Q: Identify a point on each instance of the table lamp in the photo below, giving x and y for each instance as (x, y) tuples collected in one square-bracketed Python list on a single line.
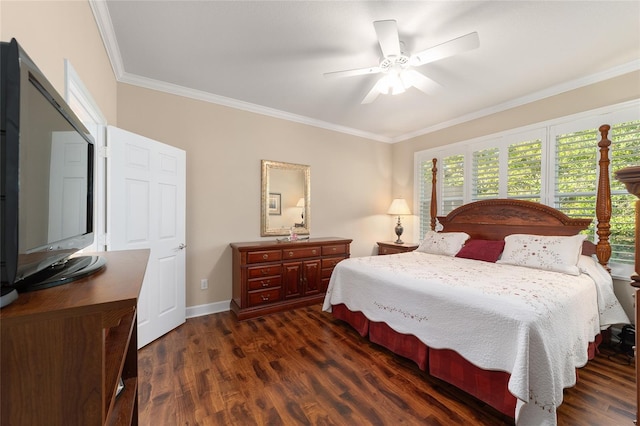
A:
[(399, 207)]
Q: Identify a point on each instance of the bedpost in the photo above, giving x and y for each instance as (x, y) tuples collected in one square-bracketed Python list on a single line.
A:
[(434, 196), (603, 200)]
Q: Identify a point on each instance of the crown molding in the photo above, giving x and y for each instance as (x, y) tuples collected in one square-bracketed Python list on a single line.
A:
[(105, 27), (533, 97), (245, 106)]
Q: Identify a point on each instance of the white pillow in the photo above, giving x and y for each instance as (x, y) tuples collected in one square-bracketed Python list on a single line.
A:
[(446, 243), (559, 254)]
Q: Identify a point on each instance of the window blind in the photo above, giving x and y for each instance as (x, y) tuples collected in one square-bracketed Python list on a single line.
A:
[(576, 165), (625, 152), (452, 183), (486, 174), (524, 170), (424, 195)]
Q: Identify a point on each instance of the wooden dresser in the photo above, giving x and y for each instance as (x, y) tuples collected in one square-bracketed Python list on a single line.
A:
[(389, 247), (271, 276), (630, 176), (65, 348)]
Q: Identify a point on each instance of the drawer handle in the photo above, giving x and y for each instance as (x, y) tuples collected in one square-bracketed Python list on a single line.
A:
[(264, 271), (265, 283), (313, 252), (334, 249), (264, 298), (290, 253), (265, 256)]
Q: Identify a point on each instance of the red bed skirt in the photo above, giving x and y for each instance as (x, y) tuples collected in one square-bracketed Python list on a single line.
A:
[(486, 385), (357, 320)]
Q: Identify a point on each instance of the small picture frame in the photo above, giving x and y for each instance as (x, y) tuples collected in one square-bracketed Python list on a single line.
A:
[(274, 204)]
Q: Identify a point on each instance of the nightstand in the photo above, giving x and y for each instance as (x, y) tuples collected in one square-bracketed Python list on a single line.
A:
[(389, 247)]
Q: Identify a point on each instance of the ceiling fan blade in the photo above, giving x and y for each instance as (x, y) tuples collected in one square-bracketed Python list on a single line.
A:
[(388, 38), (421, 82), (350, 73), (446, 49), (372, 95)]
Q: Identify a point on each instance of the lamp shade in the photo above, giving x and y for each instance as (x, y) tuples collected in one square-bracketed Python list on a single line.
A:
[(399, 207)]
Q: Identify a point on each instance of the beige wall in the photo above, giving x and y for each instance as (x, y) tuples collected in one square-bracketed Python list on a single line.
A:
[(350, 178), (52, 31)]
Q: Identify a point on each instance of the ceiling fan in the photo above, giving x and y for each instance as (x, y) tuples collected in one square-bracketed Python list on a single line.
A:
[(396, 65)]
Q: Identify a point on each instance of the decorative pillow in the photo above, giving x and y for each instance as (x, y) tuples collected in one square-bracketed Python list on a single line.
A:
[(559, 254), (446, 243), (485, 250)]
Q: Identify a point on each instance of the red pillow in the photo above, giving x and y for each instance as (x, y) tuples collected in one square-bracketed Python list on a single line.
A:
[(486, 250)]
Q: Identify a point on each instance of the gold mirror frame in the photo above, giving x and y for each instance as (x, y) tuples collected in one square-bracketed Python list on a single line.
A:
[(280, 196)]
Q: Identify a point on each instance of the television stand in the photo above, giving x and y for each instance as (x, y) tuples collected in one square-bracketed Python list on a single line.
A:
[(70, 269), (65, 349)]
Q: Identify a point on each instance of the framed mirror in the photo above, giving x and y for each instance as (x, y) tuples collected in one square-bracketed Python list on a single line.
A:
[(286, 201)]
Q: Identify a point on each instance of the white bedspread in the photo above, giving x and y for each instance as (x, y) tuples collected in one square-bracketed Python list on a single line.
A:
[(531, 323)]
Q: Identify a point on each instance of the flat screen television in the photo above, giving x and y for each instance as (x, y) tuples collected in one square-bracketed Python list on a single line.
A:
[(46, 187)]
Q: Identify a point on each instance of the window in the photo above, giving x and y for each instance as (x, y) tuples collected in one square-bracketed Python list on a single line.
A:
[(576, 164), (524, 170), (424, 195), (486, 174), (555, 163), (576, 181), (452, 183), (626, 152)]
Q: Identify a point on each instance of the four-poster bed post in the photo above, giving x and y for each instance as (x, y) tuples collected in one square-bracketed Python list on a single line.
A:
[(603, 200)]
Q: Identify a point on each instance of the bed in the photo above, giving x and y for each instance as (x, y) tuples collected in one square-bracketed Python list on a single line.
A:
[(505, 302)]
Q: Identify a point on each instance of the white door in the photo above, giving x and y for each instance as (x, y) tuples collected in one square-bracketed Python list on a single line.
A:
[(146, 209)]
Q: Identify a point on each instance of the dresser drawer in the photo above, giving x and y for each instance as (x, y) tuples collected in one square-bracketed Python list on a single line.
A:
[(264, 256), (264, 271), (263, 297), (331, 262), (389, 250), (262, 283), (302, 252), (334, 249)]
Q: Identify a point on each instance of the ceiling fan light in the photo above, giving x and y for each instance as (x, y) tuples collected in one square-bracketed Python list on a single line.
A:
[(396, 85), (407, 80), (383, 85)]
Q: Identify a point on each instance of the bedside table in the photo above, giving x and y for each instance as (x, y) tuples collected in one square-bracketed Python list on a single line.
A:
[(389, 247)]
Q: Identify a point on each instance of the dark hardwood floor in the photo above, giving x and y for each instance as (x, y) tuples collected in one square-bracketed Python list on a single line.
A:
[(302, 367)]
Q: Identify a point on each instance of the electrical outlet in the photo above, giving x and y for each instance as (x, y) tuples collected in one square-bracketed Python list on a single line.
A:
[(204, 284)]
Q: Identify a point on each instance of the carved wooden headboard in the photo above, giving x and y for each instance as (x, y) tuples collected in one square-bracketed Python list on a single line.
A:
[(494, 219)]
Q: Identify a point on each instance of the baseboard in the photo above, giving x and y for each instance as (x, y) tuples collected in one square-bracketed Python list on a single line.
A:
[(209, 308)]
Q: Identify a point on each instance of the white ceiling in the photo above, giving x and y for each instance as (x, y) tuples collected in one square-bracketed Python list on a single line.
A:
[(269, 56)]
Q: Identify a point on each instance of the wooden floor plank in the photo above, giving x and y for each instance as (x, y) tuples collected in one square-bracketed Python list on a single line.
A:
[(302, 367)]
